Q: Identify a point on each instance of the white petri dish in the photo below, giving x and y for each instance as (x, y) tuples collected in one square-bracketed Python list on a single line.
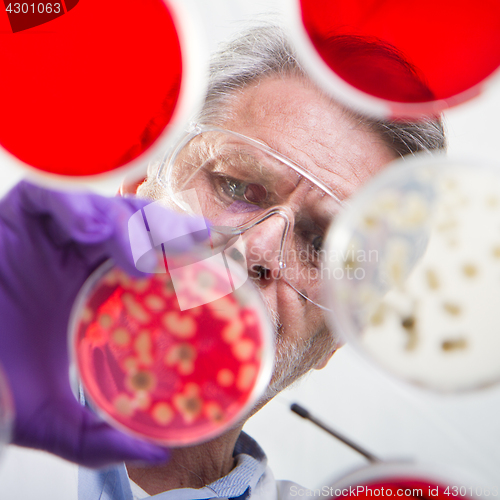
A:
[(414, 272)]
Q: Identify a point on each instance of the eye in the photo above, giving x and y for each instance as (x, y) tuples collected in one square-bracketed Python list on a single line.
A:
[(232, 187), (242, 191), (317, 243), (314, 244), (255, 193)]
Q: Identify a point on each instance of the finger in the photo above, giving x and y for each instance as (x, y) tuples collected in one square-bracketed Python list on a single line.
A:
[(101, 225), (96, 223), (82, 217), (156, 227), (83, 437)]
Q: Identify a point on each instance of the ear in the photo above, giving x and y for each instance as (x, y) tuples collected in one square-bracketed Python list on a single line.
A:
[(129, 185)]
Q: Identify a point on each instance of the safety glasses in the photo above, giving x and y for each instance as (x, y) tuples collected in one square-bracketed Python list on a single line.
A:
[(244, 188)]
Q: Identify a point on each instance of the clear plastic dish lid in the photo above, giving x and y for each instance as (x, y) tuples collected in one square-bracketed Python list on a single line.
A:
[(414, 272), (176, 357), (398, 59), (75, 106)]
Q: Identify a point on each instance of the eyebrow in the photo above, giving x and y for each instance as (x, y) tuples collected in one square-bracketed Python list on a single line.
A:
[(248, 162), (337, 193)]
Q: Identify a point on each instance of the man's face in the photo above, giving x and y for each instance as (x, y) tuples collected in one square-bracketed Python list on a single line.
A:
[(294, 118)]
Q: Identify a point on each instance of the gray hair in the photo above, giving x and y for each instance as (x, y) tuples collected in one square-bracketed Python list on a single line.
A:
[(266, 51)]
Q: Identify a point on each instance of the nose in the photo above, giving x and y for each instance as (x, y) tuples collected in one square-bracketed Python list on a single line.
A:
[(265, 240)]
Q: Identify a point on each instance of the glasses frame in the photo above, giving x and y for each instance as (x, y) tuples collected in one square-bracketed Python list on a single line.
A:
[(165, 170)]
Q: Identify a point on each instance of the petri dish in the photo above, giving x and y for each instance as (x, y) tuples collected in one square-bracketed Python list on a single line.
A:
[(408, 480), (414, 272), (175, 357), (398, 59), (6, 412), (91, 87)]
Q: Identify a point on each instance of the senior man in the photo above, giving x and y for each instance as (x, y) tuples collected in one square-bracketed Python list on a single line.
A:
[(272, 155), (275, 156)]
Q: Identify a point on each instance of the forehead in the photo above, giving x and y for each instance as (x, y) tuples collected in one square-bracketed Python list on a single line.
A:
[(292, 116)]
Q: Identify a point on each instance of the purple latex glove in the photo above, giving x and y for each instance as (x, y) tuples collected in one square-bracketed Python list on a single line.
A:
[(50, 242)]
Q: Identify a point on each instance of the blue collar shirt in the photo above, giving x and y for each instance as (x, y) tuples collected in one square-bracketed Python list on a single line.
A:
[(251, 478)]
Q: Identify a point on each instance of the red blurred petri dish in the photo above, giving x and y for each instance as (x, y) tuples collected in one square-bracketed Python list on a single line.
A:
[(175, 377), (414, 487), (408, 480), (90, 86), (390, 487), (400, 59)]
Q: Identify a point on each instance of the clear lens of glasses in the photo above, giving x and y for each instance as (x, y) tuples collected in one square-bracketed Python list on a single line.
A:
[(281, 214)]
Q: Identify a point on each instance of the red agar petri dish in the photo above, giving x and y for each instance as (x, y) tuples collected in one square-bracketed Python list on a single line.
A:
[(390, 487), (90, 86), (176, 377), (415, 488), (407, 480), (412, 57)]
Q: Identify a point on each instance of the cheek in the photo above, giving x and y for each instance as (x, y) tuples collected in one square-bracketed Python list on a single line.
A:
[(301, 320)]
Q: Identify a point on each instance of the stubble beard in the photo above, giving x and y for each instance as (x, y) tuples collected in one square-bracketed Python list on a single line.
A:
[(294, 355)]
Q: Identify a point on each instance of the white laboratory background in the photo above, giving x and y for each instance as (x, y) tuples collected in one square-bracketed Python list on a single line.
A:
[(389, 418)]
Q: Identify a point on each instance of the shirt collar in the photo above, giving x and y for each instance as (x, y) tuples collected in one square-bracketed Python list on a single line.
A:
[(113, 484), (251, 463)]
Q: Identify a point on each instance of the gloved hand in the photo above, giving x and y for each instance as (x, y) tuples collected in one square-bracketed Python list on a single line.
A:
[(50, 242)]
